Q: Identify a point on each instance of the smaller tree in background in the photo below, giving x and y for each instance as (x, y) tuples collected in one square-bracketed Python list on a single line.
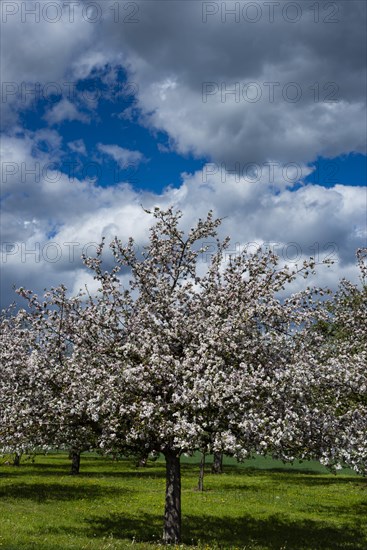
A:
[(66, 370), (19, 392), (345, 342), (325, 386)]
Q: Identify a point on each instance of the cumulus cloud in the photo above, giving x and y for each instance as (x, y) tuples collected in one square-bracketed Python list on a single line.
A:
[(240, 91), (124, 157), (269, 92), (78, 146), (222, 86), (65, 110), (48, 222)]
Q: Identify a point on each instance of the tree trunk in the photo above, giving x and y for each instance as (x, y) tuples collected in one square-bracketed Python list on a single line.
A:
[(142, 461), (16, 461), (217, 466), (75, 462), (201, 473), (172, 513)]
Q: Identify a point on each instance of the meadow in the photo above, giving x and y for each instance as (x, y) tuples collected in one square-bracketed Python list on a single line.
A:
[(261, 504)]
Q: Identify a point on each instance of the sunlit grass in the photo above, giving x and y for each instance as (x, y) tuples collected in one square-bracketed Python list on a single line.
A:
[(115, 505)]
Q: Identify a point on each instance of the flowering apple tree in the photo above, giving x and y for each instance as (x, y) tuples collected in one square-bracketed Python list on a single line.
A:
[(196, 358), (325, 384)]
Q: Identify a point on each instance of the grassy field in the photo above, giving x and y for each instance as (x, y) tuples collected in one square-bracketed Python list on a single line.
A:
[(260, 504)]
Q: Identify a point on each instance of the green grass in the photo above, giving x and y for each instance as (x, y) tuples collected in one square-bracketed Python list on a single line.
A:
[(261, 504)]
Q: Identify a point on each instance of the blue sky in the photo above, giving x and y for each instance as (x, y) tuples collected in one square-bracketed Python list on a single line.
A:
[(351, 169), (162, 166), (184, 106)]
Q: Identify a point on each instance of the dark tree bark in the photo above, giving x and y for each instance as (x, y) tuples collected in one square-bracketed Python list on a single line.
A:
[(217, 466), (75, 462), (16, 461), (201, 473), (172, 513), (142, 461)]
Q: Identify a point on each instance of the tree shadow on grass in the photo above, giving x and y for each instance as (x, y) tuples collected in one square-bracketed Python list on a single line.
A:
[(39, 492), (272, 533), (314, 482), (352, 511), (145, 528), (32, 469), (294, 477), (87, 470), (288, 470), (143, 473), (33, 545)]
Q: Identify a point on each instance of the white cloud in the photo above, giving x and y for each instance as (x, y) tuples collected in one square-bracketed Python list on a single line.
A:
[(78, 146), (125, 158), (173, 56), (312, 220), (170, 54), (65, 110)]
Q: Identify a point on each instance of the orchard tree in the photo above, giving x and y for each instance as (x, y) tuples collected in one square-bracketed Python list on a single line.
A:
[(325, 386), (149, 364), (18, 392), (243, 347), (196, 358), (350, 322), (217, 466), (344, 344), (67, 370)]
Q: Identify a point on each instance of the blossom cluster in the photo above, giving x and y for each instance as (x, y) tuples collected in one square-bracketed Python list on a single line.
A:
[(180, 361)]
